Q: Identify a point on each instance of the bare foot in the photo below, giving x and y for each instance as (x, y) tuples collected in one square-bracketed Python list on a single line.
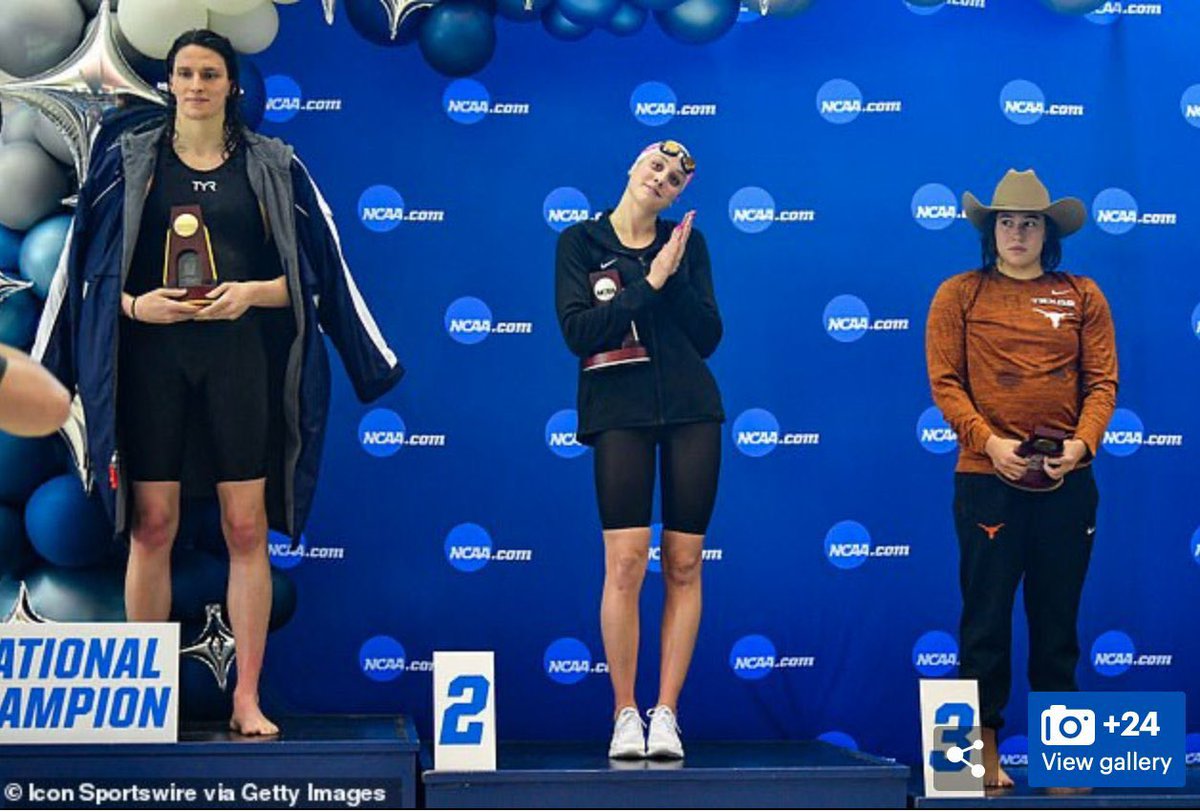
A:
[(994, 776), (248, 719)]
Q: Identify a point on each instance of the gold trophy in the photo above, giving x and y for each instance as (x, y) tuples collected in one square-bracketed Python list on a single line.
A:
[(189, 260)]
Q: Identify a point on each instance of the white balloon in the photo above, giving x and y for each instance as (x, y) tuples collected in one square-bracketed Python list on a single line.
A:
[(250, 33), (152, 26), (232, 6)]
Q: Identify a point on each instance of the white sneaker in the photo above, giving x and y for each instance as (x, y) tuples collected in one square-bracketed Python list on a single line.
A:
[(663, 741), (627, 738)]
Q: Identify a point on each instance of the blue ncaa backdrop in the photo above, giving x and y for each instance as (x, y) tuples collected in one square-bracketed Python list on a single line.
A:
[(833, 149)]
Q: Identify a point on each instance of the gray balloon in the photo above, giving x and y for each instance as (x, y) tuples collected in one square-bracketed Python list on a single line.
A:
[(51, 139), (32, 185), (20, 123), (37, 34)]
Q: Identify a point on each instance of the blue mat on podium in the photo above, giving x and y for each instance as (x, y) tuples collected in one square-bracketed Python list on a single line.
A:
[(326, 761), (749, 775), (1023, 796)]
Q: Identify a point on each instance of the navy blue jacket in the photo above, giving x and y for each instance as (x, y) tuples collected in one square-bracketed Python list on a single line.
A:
[(78, 337)]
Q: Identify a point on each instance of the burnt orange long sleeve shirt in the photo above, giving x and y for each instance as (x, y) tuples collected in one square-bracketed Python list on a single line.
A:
[(1007, 355)]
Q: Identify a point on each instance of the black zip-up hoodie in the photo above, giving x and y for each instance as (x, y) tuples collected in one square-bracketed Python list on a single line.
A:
[(679, 326)]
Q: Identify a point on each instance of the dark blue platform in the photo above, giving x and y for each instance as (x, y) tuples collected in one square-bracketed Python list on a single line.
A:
[(750, 775), (332, 753), (1023, 796)]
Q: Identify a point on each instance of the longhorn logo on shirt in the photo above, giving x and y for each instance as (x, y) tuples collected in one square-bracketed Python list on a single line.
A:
[(991, 531), (1055, 318), (204, 186)]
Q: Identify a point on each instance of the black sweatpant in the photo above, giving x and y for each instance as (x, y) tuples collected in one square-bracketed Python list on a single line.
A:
[(1006, 534)]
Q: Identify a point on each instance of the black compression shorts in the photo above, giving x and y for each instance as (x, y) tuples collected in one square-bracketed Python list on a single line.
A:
[(205, 379), (689, 457)]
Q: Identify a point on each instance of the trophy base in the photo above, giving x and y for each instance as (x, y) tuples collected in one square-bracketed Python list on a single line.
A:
[(198, 295), (616, 358), (1035, 480)]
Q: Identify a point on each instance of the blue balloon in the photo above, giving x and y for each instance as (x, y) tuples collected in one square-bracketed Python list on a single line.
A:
[(522, 11), (562, 28), (254, 93), (628, 19), (66, 527), (458, 38), (78, 596), (19, 318), (283, 599), (10, 249), (14, 546), (25, 464), (588, 12), (197, 579), (41, 249), (370, 19), (657, 5), (697, 22)]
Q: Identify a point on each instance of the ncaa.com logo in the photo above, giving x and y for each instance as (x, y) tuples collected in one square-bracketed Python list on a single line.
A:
[(564, 207), (925, 10), (283, 556), (467, 101), (848, 546), (1014, 752), (1114, 10), (935, 654), (655, 103), (846, 319), (1189, 105), (934, 433), (1126, 434), (756, 434), (469, 548), (381, 208), (754, 656), (935, 207), (654, 562), (560, 434), (752, 210), (382, 433), (285, 100), (1116, 212), (382, 659), (839, 101), (469, 320), (1023, 102), (568, 661), (1114, 653)]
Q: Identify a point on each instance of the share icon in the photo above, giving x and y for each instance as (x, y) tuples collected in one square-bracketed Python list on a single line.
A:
[(958, 755)]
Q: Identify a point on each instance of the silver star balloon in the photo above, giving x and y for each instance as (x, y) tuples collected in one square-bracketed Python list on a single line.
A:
[(22, 609), (9, 286), (399, 10), (215, 646), (76, 94)]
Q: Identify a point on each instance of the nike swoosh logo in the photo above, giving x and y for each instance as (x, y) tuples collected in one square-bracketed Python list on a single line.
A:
[(604, 266), (1060, 292), (1091, 530)]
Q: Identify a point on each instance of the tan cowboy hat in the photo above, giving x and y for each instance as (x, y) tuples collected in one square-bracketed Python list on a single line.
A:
[(1022, 191)]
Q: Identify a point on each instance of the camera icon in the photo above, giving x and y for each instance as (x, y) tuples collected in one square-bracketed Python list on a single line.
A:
[(1068, 727)]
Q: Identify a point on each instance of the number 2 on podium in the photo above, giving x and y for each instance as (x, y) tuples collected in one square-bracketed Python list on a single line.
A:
[(478, 688)]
